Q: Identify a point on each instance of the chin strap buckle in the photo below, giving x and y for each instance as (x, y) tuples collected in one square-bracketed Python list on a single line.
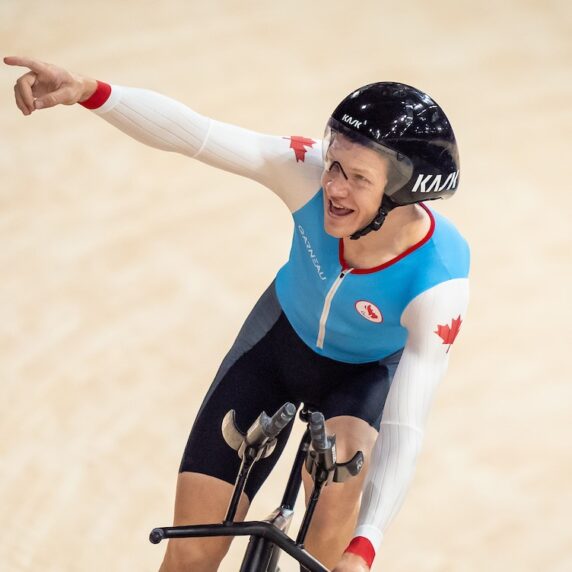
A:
[(386, 206)]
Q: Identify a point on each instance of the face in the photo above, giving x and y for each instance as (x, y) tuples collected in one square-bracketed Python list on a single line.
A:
[(353, 181)]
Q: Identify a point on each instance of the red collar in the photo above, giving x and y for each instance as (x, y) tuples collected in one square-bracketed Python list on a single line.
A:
[(419, 244)]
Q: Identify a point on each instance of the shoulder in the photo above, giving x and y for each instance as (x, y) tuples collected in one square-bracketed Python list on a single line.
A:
[(449, 246), (438, 280), (298, 166), (303, 151), (434, 317)]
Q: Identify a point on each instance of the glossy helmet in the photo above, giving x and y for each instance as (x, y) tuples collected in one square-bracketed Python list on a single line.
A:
[(412, 131)]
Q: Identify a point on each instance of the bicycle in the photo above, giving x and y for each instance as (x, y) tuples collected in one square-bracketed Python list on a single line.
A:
[(317, 452)]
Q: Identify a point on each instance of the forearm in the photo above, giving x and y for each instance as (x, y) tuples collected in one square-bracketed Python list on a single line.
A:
[(392, 466), (151, 118), (391, 470)]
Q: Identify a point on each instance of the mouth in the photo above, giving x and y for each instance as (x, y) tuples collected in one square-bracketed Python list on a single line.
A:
[(336, 210)]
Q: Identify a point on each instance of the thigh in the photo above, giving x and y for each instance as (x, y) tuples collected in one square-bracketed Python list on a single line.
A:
[(247, 382), (249, 391)]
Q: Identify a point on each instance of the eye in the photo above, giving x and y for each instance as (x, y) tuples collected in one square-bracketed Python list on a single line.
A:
[(362, 179)]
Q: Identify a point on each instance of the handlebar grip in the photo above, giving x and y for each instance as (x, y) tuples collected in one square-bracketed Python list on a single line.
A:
[(318, 430), (279, 420), (157, 534)]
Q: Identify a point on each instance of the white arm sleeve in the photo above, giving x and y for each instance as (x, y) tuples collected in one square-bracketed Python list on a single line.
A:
[(422, 366), (166, 124)]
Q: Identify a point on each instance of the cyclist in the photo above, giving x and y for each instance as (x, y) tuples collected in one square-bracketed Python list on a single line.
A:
[(358, 322)]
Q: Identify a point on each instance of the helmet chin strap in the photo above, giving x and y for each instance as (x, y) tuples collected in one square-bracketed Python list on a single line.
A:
[(386, 206)]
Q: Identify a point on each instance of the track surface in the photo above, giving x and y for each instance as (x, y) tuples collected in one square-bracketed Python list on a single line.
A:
[(127, 272)]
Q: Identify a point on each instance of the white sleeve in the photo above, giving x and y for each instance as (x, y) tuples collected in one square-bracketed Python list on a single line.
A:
[(166, 124), (432, 320)]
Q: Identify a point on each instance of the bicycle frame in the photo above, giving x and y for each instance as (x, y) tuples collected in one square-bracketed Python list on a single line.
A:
[(269, 536)]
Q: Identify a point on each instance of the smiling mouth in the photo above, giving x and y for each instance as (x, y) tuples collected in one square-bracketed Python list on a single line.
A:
[(338, 211)]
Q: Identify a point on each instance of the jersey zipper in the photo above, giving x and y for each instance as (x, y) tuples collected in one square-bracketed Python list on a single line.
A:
[(327, 304)]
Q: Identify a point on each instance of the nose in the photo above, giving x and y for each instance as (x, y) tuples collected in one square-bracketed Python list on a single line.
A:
[(336, 185)]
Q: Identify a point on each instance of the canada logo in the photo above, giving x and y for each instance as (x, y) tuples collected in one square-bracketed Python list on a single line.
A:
[(369, 311), (298, 145), (448, 333)]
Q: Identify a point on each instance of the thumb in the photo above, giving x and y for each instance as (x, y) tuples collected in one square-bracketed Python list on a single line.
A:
[(62, 96)]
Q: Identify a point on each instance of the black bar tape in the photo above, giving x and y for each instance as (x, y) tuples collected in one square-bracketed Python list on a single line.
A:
[(280, 419), (318, 431)]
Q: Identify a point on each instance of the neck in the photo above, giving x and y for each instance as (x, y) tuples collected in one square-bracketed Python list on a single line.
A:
[(403, 227)]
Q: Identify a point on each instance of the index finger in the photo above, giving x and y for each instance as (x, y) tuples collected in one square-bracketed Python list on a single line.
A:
[(35, 65)]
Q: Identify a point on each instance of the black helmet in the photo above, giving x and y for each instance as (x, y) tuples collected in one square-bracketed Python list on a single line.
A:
[(409, 127)]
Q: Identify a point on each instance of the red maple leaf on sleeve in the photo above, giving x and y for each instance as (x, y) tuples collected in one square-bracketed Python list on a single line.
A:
[(449, 333), (299, 144)]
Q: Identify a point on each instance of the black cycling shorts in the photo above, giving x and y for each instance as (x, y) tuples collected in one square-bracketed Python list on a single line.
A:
[(267, 366)]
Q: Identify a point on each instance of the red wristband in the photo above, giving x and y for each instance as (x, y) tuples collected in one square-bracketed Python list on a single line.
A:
[(99, 97), (362, 547)]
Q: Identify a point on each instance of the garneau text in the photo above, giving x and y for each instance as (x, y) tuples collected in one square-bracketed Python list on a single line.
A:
[(311, 254)]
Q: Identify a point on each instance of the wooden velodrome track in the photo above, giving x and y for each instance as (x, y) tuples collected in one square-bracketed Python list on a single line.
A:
[(126, 272)]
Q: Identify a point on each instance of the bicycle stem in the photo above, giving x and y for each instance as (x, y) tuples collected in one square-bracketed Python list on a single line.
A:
[(295, 479), (303, 531), (250, 457)]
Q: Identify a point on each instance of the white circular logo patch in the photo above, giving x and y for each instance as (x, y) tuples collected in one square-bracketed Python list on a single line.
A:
[(369, 311)]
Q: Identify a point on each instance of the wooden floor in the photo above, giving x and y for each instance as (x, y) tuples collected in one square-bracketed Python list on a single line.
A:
[(126, 272)]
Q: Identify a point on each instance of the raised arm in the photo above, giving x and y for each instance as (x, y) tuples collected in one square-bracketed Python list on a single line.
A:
[(432, 319), (291, 167)]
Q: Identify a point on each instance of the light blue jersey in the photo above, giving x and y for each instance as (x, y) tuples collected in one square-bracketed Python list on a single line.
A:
[(355, 315)]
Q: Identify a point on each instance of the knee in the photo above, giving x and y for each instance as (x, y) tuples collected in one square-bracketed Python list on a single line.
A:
[(339, 501), (189, 555)]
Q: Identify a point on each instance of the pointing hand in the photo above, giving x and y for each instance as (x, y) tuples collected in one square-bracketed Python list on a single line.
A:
[(46, 85)]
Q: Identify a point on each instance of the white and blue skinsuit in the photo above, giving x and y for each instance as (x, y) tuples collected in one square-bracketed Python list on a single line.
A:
[(384, 323)]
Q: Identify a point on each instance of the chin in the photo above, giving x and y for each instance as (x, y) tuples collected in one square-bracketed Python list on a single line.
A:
[(336, 231), (335, 234), (339, 228)]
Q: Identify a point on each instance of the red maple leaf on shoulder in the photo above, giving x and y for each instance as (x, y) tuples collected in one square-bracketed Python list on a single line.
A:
[(299, 144), (449, 333)]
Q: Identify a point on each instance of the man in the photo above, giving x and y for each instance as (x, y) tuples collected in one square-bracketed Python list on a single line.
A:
[(358, 322)]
